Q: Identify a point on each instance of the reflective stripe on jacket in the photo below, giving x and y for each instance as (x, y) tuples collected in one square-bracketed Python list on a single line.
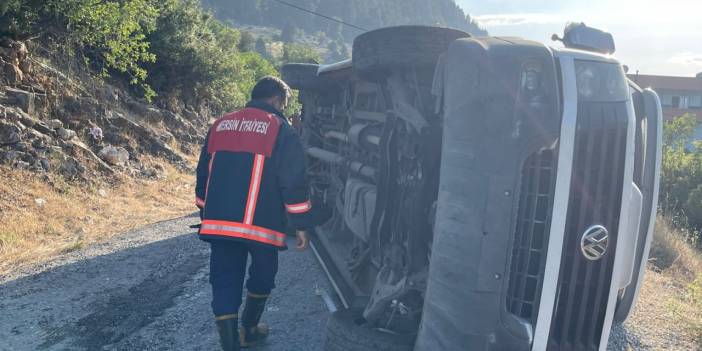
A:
[(251, 178)]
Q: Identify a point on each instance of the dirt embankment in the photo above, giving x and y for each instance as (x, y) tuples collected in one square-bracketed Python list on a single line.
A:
[(41, 219), (82, 160)]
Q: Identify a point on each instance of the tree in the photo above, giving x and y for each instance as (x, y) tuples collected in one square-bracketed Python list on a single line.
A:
[(335, 30), (681, 169), (172, 48), (110, 35), (199, 60), (247, 42), (321, 38), (344, 51), (364, 13), (678, 132), (300, 54), (338, 51), (289, 34), (261, 47)]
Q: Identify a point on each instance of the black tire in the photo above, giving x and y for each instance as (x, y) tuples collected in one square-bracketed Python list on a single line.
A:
[(300, 76), (625, 305), (375, 52), (627, 299), (649, 187), (346, 331)]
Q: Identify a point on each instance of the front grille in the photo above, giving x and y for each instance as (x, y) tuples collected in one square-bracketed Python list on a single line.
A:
[(531, 235), (595, 199)]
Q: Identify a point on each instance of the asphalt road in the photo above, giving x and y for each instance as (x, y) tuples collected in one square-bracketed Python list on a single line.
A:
[(148, 290)]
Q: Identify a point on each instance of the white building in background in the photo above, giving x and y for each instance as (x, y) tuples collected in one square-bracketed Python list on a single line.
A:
[(679, 95)]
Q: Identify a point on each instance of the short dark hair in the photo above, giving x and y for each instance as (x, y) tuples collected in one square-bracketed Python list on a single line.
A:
[(268, 87)]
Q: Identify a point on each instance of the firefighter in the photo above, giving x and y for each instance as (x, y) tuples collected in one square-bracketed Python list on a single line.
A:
[(250, 186)]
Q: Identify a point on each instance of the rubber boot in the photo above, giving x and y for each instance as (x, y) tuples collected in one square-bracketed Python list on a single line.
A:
[(253, 332), (228, 327)]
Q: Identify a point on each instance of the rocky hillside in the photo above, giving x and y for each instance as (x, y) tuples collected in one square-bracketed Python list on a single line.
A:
[(50, 124), (103, 106), (83, 159)]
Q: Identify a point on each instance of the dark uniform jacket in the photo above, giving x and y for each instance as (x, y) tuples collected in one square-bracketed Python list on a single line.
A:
[(251, 173)]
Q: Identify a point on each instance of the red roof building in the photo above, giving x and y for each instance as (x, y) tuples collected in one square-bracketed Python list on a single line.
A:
[(679, 95)]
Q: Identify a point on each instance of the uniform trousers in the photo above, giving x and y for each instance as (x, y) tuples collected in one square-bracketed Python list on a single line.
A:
[(228, 261)]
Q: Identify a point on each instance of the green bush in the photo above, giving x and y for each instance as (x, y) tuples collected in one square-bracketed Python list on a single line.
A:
[(247, 42), (111, 35), (299, 53), (681, 170), (169, 48), (14, 18), (198, 59), (195, 53)]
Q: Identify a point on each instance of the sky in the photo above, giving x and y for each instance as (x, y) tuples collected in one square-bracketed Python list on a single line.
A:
[(661, 37)]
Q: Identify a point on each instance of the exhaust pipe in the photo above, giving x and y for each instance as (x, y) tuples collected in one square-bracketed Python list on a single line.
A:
[(334, 158), (326, 156)]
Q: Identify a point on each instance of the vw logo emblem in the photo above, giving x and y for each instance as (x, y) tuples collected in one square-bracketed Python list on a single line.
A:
[(594, 242)]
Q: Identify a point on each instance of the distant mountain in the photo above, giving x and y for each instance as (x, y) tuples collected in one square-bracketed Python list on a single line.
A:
[(369, 14)]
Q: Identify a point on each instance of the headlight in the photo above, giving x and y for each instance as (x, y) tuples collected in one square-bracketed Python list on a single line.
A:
[(600, 81), (586, 81)]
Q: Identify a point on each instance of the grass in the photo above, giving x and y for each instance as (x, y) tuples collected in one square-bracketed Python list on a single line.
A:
[(673, 249), (693, 319), (76, 215), (675, 279)]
